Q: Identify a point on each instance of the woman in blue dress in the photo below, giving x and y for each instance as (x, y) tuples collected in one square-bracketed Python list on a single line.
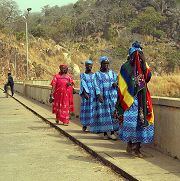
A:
[(134, 103), (87, 93), (105, 81)]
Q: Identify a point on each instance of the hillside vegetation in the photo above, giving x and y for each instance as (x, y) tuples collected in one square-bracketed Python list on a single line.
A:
[(88, 29)]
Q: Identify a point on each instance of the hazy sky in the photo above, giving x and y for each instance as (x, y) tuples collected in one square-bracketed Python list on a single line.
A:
[(36, 5)]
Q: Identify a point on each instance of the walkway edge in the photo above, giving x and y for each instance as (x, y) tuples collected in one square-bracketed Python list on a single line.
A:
[(82, 145)]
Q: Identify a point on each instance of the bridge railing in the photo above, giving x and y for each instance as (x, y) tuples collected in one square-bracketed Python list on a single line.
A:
[(166, 110)]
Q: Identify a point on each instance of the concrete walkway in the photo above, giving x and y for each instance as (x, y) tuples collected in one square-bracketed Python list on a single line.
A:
[(31, 150), (153, 167)]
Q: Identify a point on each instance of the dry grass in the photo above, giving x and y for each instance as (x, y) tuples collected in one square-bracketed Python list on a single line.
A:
[(168, 86), (165, 86)]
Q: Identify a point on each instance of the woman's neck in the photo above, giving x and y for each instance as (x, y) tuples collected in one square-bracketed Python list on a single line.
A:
[(104, 70), (88, 71), (62, 73)]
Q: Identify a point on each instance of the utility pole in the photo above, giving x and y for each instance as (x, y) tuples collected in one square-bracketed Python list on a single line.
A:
[(15, 65), (27, 48)]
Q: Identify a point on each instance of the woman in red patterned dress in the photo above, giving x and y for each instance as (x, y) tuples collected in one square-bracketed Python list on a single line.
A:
[(62, 91)]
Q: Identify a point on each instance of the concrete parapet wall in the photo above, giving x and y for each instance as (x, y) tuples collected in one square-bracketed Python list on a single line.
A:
[(36, 92), (40, 93), (20, 88), (166, 110), (167, 125)]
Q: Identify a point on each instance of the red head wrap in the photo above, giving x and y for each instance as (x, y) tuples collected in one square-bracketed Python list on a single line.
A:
[(63, 66)]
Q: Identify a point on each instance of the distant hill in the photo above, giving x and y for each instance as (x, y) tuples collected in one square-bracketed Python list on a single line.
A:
[(45, 56), (109, 27), (88, 29)]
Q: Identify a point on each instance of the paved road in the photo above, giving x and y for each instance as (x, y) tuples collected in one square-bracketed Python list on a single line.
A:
[(30, 150)]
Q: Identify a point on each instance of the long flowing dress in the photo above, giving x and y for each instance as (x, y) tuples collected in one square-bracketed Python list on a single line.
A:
[(103, 114), (87, 106), (131, 131), (135, 103), (63, 103)]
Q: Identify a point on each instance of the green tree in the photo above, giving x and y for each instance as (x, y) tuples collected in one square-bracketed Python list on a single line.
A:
[(173, 61), (38, 31), (148, 23), (8, 12), (122, 13)]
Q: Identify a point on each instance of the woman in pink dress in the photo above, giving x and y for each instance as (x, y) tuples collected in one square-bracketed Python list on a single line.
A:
[(62, 91)]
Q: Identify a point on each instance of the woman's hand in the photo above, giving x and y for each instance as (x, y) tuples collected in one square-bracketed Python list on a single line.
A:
[(143, 62), (141, 56), (114, 85), (74, 91), (121, 119), (86, 95), (100, 98), (69, 84), (117, 117), (115, 114)]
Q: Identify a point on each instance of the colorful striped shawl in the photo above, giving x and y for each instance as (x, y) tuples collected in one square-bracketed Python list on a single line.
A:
[(128, 89)]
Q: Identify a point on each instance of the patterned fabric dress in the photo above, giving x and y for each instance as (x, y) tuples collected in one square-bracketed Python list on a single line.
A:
[(135, 103), (131, 131), (87, 113), (63, 97), (103, 120)]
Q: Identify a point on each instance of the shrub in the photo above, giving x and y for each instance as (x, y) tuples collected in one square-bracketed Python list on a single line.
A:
[(173, 59), (148, 23), (38, 32), (20, 36)]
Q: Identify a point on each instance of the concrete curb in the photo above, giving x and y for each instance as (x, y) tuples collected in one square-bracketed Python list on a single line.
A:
[(82, 145)]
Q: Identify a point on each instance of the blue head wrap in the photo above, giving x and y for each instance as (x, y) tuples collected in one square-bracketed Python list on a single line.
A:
[(103, 59), (136, 44), (89, 62), (135, 47)]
